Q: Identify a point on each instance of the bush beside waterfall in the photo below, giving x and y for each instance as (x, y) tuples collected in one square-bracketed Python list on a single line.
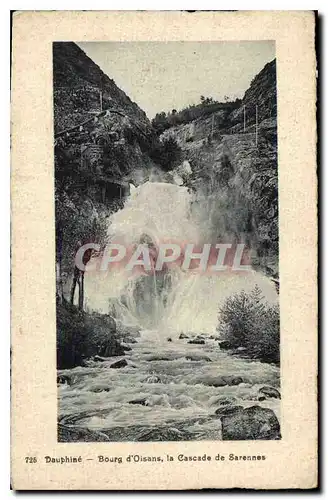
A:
[(81, 335), (246, 320)]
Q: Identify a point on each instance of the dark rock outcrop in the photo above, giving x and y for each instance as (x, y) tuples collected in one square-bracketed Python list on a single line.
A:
[(221, 380), (127, 348), (110, 347), (196, 341), (225, 401), (64, 379), (225, 344), (119, 364), (228, 410), (249, 424), (270, 392), (141, 401)]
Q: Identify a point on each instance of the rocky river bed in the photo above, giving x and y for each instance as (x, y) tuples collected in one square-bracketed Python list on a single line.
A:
[(169, 389)]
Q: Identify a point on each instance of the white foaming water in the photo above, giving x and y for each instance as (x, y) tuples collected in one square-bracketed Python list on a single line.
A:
[(181, 301), (170, 388), (166, 387)]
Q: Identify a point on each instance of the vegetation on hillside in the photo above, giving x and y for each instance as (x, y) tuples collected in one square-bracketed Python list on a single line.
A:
[(206, 107)]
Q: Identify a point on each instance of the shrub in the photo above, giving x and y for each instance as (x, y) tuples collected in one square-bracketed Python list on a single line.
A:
[(81, 335), (166, 153), (247, 320)]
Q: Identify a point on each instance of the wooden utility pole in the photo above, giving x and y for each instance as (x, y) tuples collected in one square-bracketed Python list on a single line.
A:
[(244, 118), (256, 125)]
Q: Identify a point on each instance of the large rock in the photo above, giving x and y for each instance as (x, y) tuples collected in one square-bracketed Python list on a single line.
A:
[(269, 392), (228, 410), (141, 401), (232, 380), (196, 341), (220, 380), (250, 424), (127, 348), (64, 379), (119, 364), (225, 344), (183, 336), (110, 347), (225, 401)]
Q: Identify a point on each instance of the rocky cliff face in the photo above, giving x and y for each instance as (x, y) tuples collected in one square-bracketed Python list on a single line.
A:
[(261, 93), (78, 82), (95, 122), (233, 159), (101, 145)]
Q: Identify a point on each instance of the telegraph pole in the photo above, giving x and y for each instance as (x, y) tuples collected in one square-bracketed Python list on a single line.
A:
[(244, 118), (256, 125)]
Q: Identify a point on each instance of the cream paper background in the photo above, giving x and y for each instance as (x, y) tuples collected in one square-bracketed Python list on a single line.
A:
[(291, 462)]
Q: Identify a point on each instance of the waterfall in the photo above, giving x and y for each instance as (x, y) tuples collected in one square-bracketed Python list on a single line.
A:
[(176, 300)]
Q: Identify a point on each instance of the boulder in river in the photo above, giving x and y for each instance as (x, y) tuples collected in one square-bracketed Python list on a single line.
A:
[(228, 410), (225, 401), (196, 341), (110, 347), (119, 364), (100, 389), (183, 336), (141, 401), (269, 392), (220, 380), (250, 424), (225, 344), (100, 359), (232, 380), (64, 379)]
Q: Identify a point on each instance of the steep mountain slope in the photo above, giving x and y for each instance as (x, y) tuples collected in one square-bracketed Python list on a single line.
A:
[(95, 122), (102, 141), (77, 85), (233, 159)]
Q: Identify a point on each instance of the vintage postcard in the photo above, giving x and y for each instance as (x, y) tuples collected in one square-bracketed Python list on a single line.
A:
[(164, 232)]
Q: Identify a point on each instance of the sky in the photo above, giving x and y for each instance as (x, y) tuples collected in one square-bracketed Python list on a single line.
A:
[(160, 76)]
